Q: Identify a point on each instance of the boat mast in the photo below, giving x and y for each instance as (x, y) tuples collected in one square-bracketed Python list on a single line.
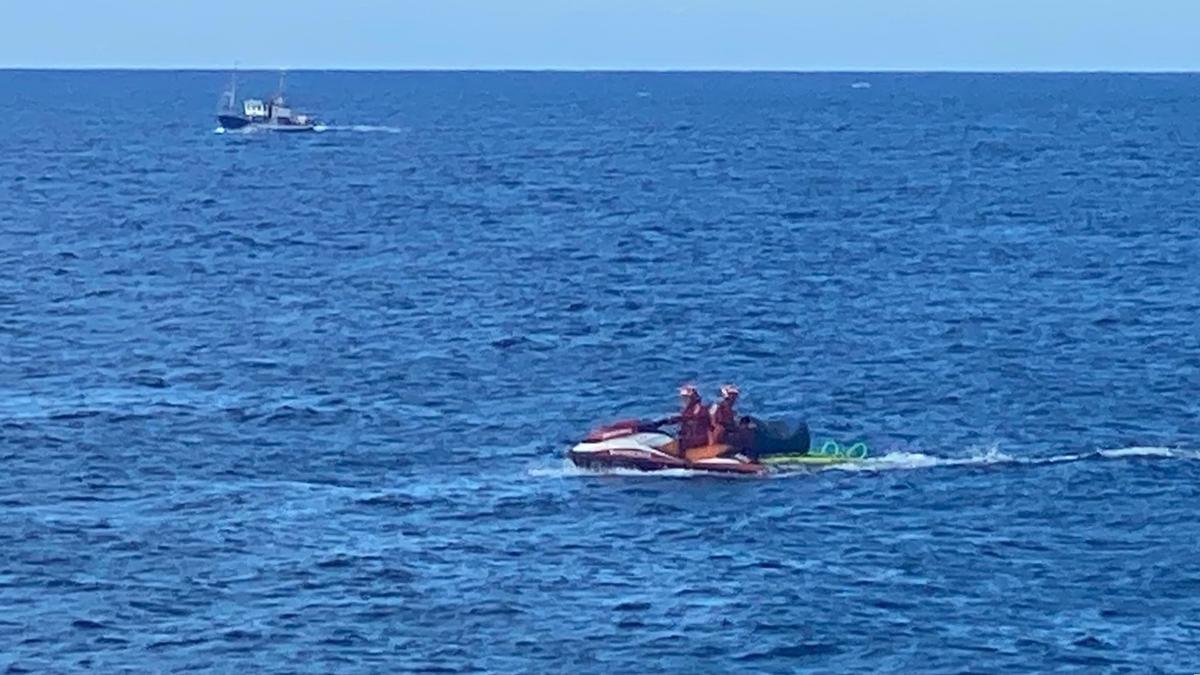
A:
[(231, 93)]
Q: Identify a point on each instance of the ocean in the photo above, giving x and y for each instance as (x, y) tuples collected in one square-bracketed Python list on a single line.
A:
[(301, 403)]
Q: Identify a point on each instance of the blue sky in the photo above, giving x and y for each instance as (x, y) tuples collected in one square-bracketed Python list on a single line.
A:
[(608, 34)]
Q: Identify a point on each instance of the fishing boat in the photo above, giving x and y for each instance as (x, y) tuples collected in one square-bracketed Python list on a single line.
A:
[(273, 114)]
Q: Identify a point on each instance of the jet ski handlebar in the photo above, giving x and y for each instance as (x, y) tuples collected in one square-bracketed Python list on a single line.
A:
[(623, 428)]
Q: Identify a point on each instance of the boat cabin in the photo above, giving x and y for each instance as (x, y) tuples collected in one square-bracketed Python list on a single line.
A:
[(254, 108)]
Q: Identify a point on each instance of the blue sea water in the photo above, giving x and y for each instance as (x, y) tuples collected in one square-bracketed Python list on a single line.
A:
[(301, 403)]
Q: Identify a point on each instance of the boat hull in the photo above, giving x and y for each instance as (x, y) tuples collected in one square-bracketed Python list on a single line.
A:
[(235, 123), (232, 122)]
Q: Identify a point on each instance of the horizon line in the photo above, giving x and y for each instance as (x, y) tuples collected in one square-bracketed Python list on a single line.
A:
[(560, 69)]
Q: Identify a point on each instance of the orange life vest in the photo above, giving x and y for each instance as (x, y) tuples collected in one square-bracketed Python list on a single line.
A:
[(693, 426), (722, 419)]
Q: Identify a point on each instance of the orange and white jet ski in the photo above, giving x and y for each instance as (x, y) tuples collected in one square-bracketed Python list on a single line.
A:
[(634, 444), (758, 448)]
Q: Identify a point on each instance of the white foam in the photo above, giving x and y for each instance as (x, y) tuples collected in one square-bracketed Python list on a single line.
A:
[(894, 461), (1147, 451), (244, 130), (920, 460), (568, 470), (993, 456), (364, 128)]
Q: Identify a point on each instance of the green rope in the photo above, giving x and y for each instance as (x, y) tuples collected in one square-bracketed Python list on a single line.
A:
[(832, 448)]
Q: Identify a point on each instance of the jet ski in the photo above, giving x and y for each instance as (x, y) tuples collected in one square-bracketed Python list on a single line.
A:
[(757, 447), (641, 446)]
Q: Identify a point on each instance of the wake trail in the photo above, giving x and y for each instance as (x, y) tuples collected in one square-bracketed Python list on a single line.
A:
[(324, 128), (366, 128), (895, 461)]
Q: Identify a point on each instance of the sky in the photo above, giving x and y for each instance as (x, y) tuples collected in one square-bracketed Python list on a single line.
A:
[(797, 35)]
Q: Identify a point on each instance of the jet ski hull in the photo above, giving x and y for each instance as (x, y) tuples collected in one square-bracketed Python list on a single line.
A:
[(642, 451)]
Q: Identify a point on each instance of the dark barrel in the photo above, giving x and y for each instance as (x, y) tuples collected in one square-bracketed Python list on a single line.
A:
[(778, 438)]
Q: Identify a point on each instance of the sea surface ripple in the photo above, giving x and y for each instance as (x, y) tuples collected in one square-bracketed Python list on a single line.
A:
[(300, 403)]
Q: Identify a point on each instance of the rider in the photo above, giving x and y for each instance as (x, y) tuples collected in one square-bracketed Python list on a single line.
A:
[(692, 419), (722, 416)]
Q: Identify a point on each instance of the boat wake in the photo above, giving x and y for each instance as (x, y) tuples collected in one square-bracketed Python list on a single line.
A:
[(900, 461), (994, 457), (319, 128), (367, 128)]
